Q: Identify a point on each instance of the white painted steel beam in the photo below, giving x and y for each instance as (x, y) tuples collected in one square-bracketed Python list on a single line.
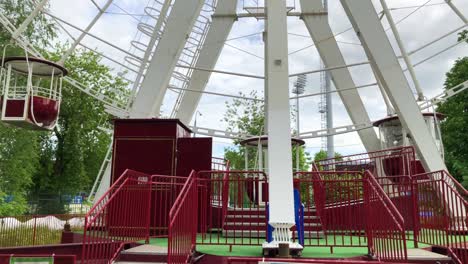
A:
[(331, 55), (29, 19), (83, 34), (370, 31), (223, 19), (179, 24), (404, 53), (457, 11), (279, 123)]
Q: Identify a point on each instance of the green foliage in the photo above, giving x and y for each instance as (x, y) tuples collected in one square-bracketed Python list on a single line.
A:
[(455, 126), (39, 32), (322, 154), (245, 116), (463, 36), (72, 155), (45, 166), (248, 117), (19, 148), (19, 160)]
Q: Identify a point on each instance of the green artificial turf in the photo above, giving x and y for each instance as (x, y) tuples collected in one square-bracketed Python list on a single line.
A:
[(322, 251)]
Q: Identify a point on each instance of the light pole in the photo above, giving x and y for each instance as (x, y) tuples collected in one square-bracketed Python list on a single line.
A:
[(299, 87), (198, 113)]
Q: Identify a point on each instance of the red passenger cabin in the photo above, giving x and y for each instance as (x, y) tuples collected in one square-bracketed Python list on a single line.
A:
[(31, 92)]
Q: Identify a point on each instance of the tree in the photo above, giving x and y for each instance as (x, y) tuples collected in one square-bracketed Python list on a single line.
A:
[(248, 117), (322, 155), (463, 35), (72, 154), (36, 165), (19, 158), (455, 126)]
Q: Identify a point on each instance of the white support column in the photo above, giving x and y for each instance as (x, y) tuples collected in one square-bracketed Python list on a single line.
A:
[(153, 88), (385, 63), (404, 54), (260, 155), (83, 34), (223, 19), (28, 20), (246, 157), (326, 44), (279, 123), (457, 11)]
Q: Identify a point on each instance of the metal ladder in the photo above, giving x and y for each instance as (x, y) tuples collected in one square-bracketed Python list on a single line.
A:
[(149, 33), (189, 57), (99, 183)]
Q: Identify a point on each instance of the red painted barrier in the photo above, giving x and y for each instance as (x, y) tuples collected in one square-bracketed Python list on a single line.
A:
[(121, 216), (354, 211), (183, 223), (385, 226), (338, 201), (442, 209), (219, 164), (384, 163), (234, 207), (57, 259), (165, 190), (31, 230)]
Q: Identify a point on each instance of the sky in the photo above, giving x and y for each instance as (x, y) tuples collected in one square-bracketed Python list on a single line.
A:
[(245, 55)]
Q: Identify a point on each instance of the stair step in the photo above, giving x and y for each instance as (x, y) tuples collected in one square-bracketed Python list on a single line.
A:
[(246, 223), (262, 234), (144, 253)]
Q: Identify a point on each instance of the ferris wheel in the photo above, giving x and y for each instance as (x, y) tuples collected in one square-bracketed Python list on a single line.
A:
[(178, 45)]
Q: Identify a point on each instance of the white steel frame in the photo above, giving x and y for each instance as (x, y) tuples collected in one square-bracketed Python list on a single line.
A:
[(366, 22)]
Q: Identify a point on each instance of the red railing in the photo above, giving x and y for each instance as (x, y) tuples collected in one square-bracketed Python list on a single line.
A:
[(234, 207), (354, 211), (219, 164), (389, 162), (442, 209), (183, 223), (121, 216), (385, 226), (56, 259), (400, 191), (334, 208), (33, 230), (165, 190)]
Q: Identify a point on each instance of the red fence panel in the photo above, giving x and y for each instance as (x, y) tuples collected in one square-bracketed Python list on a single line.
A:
[(385, 226), (183, 223), (354, 211), (164, 192), (402, 194), (442, 209), (389, 162), (336, 199), (121, 216), (34, 230), (234, 205), (219, 164)]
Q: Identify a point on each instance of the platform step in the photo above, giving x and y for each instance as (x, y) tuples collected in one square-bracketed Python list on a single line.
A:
[(144, 253), (262, 234), (417, 254), (263, 224)]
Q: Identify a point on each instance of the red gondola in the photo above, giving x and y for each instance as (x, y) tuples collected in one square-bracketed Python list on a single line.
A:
[(31, 92)]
